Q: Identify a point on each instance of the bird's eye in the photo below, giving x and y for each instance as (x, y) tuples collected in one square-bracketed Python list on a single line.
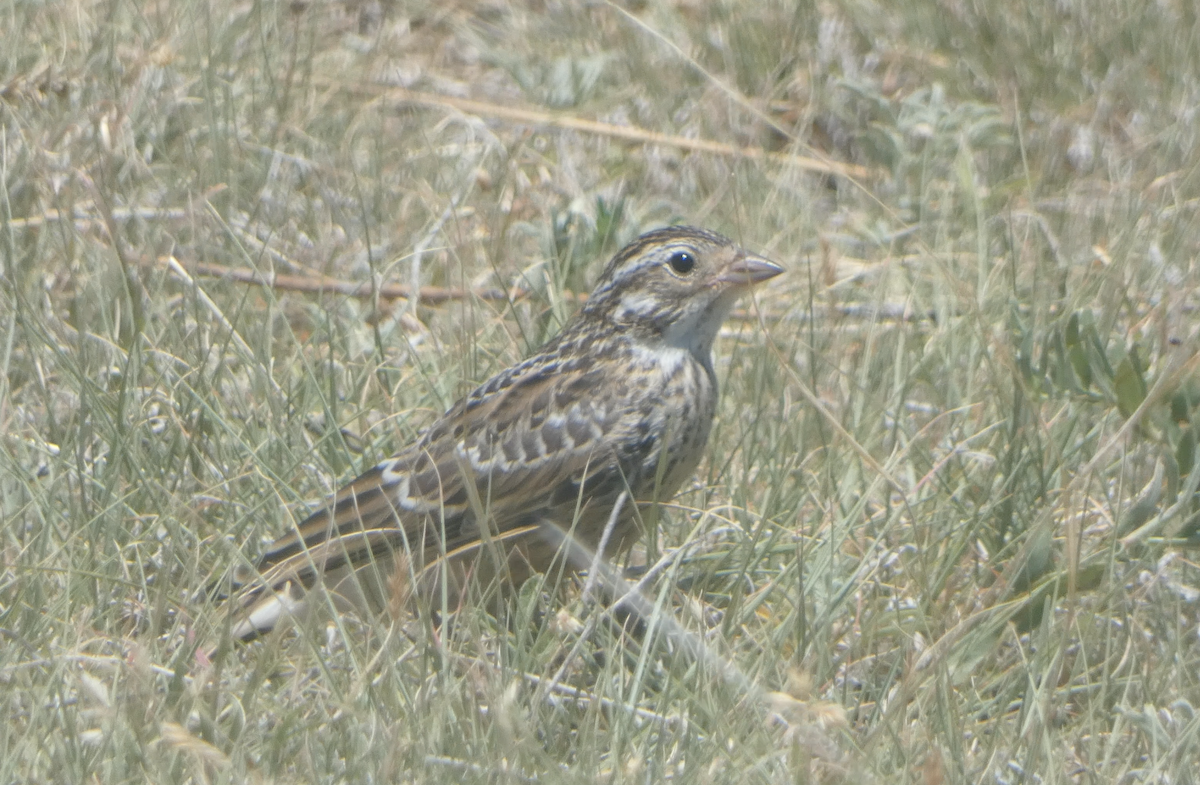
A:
[(682, 262)]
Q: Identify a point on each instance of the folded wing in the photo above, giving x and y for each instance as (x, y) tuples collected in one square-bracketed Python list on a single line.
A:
[(534, 445)]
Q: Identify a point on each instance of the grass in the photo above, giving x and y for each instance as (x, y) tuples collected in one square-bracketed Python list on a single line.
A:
[(947, 526)]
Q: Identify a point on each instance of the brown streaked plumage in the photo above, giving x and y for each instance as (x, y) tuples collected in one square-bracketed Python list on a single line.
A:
[(609, 416)]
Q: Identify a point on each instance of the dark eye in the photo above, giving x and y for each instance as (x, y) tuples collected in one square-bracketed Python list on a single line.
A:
[(682, 262)]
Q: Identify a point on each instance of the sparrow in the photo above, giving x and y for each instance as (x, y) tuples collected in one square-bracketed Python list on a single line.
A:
[(548, 465)]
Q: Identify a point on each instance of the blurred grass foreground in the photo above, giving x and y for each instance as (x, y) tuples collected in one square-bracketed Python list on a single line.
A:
[(947, 527)]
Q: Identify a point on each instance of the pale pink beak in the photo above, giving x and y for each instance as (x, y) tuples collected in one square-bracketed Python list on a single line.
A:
[(749, 270)]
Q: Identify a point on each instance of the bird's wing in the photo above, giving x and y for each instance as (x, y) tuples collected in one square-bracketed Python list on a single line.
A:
[(535, 439)]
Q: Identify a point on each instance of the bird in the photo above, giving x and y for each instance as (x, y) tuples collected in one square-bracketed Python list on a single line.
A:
[(549, 464)]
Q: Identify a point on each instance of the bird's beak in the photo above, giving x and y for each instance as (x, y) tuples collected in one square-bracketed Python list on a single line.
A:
[(747, 270)]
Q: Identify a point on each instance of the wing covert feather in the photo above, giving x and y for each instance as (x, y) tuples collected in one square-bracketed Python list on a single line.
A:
[(528, 438)]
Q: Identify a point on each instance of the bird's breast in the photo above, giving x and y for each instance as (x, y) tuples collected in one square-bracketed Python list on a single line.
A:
[(677, 400)]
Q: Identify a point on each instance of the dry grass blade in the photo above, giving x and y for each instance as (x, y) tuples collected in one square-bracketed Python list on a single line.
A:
[(400, 97)]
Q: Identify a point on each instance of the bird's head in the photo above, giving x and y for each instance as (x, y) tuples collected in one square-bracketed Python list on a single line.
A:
[(675, 286)]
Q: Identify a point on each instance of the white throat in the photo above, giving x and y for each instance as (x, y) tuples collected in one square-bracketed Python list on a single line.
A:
[(696, 330)]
